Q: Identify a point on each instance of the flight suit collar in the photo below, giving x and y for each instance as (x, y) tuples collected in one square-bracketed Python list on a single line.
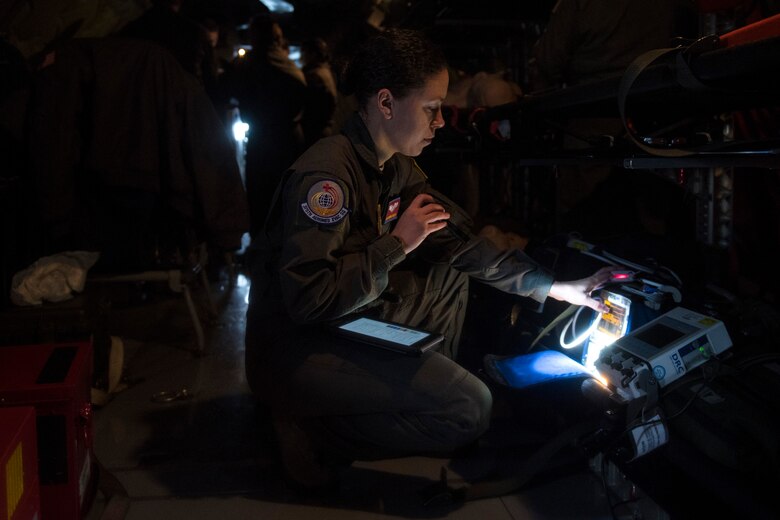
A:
[(356, 131)]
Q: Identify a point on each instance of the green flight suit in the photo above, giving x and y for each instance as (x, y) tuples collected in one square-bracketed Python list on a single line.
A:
[(326, 253)]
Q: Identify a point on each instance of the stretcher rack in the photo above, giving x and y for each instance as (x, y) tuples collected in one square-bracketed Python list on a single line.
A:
[(730, 73)]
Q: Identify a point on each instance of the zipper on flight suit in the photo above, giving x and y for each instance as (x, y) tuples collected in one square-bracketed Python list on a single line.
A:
[(384, 192)]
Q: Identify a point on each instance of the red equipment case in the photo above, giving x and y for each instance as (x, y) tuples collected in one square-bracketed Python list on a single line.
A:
[(55, 379), (19, 489)]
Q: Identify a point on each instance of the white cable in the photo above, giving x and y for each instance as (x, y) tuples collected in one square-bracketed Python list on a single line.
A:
[(677, 278), (578, 340)]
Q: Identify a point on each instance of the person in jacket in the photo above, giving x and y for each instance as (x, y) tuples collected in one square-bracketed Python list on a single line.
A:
[(355, 230), (588, 40), (321, 92), (271, 94)]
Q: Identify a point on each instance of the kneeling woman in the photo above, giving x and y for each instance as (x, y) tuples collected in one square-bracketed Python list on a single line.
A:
[(355, 229)]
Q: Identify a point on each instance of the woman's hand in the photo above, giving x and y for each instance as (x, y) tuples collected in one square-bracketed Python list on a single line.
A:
[(578, 292), (421, 218)]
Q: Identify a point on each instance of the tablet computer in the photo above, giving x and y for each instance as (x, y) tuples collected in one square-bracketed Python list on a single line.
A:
[(389, 335)]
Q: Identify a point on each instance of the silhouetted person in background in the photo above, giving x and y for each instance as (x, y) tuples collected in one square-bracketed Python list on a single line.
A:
[(118, 170), (186, 39), (586, 41), (271, 92), (591, 39), (321, 93), (472, 89), (213, 35)]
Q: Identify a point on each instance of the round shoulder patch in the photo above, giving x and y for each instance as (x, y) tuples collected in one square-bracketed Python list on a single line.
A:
[(325, 202)]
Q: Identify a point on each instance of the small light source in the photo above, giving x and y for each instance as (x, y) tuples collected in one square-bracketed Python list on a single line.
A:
[(239, 131), (278, 6), (241, 52), (295, 55)]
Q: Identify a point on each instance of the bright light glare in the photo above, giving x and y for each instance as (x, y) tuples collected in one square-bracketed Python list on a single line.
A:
[(612, 326), (601, 379), (278, 6), (594, 351), (241, 52), (239, 131), (242, 282)]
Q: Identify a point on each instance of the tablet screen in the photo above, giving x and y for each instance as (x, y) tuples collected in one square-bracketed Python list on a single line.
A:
[(385, 331)]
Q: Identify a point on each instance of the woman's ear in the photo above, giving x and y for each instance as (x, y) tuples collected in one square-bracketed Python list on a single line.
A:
[(384, 100)]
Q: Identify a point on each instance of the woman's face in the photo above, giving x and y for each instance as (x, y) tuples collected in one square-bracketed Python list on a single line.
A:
[(417, 116)]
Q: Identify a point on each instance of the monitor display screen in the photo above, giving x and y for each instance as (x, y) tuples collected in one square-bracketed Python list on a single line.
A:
[(659, 335), (385, 331)]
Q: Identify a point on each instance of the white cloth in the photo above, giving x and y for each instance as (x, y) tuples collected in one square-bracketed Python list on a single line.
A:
[(52, 278)]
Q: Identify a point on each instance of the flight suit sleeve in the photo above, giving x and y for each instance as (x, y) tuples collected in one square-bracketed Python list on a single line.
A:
[(510, 271), (325, 271)]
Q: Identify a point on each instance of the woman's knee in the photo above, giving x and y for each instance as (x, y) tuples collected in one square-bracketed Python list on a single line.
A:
[(470, 411)]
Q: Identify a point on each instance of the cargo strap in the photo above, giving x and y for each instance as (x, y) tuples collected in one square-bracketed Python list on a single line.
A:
[(117, 499), (446, 492)]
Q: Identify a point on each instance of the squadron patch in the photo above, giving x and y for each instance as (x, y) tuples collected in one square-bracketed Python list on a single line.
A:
[(325, 203)]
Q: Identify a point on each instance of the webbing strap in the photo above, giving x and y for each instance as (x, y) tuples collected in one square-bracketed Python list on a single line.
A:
[(532, 466), (117, 499), (445, 492)]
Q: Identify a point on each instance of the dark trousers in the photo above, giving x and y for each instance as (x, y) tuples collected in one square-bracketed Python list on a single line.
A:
[(367, 403)]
